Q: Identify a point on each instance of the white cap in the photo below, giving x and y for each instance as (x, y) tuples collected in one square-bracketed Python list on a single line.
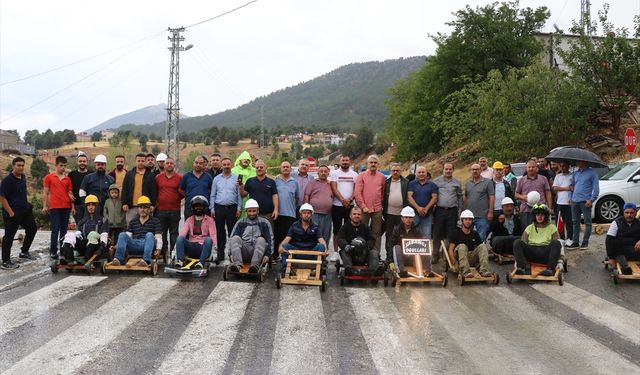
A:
[(533, 197), (408, 212), (506, 200), (307, 207), (251, 203), (161, 157), (466, 214), (100, 159)]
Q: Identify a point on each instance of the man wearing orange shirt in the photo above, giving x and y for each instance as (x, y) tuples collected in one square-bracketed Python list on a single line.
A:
[(57, 201)]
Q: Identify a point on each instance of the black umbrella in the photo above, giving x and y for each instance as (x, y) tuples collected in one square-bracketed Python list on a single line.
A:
[(573, 154)]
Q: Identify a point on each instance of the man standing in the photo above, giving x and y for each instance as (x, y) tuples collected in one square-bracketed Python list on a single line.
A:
[(76, 177), (97, 183), (343, 181), (216, 165), (532, 181), (369, 193), (243, 169), (303, 178), (563, 185), (150, 163), (586, 187), (287, 202), (395, 199), (160, 161), (422, 195), (447, 208), (485, 170), (478, 198), (138, 182), (318, 193), (16, 212), (57, 201), (195, 182), (263, 189), (225, 204), (168, 203), (119, 171), (502, 188)]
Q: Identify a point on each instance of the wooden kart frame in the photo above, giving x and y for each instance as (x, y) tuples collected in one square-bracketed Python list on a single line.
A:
[(303, 276)]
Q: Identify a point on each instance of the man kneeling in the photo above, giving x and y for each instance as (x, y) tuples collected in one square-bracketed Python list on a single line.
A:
[(623, 239), (143, 230), (197, 235), (466, 244), (251, 240), (407, 229), (90, 237), (539, 243), (356, 243), (303, 235)]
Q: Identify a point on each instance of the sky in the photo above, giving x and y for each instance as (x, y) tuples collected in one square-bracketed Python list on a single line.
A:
[(264, 47)]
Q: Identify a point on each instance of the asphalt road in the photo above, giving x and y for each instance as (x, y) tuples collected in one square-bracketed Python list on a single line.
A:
[(132, 323)]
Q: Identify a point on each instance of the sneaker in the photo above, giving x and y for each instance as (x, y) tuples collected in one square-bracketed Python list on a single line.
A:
[(9, 265), (521, 271), (568, 242), (115, 262), (142, 263), (198, 266), (253, 269), (627, 271), (468, 275), (27, 256), (584, 246), (547, 272), (404, 274), (234, 268), (572, 246), (54, 256), (486, 274), (178, 264)]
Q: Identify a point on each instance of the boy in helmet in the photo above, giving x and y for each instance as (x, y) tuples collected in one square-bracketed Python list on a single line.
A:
[(303, 235), (406, 229), (466, 247), (197, 235), (539, 243), (142, 232), (356, 242), (90, 236), (251, 240)]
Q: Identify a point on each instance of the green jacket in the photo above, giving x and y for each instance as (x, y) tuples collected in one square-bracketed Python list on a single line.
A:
[(114, 214), (246, 174)]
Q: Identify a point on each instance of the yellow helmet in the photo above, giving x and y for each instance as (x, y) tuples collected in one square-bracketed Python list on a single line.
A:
[(91, 199), (143, 200), (498, 165)]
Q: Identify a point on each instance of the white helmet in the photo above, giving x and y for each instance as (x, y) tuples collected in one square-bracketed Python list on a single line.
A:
[(506, 200), (466, 214), (100, 159), (307, 207), (161, 157), (533, 197), (251, 203), (408, 212)]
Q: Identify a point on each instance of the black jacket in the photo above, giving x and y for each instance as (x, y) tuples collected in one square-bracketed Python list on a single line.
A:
[(498, 229), (404, 184), (508, 192), (149, 187), (400, 233), (348, 232)]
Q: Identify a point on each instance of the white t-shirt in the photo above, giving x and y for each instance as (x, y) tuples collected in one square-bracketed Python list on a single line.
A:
[(346, 182), (563, 180)]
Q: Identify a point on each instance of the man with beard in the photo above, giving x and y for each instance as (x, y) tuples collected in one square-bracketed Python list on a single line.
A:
[(160, 161), (97, 183), (195, 182), (168, 203), (251, 240), (287, 201), (150, 163), (119, 171), (343, 181), (225, 204), (138, 182), (303, 235), (142, 232), (466, 247), (76, 177), (197, 235), (356, 243)]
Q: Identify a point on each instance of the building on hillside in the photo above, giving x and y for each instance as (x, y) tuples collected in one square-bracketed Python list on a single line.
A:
[(10, 141), (282, 138), (107, 134), (83, 137), (333, 139)]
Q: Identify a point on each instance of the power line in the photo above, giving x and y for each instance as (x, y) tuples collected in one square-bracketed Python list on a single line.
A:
[(221, 14)]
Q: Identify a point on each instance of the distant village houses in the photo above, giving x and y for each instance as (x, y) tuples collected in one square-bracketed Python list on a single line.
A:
[(11, 142)]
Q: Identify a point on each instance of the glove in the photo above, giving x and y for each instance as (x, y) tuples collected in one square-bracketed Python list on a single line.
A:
[(348, 249), (392, 267), (79, 235)]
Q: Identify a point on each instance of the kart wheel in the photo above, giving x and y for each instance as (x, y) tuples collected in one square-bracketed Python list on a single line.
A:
[(445, 279), (154, 268), (460, 279), (103, 269), (560, 279), (54, 268), (341, 276), (278, 281), (496, 279), (509, 279), (225, 273), (615, 278)]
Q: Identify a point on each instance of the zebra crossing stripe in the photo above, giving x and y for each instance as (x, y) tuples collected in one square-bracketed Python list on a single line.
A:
[(74, 347), (302, 343), (24, 278), (206, 342), (587, 355), (26, 308), (596, 309)]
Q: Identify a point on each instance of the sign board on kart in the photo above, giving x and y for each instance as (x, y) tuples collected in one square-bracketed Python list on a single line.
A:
[(417, 246), (630, 140)]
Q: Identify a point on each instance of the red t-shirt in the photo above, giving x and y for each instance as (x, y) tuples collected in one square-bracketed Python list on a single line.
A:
[(168, 195), (58, 190)]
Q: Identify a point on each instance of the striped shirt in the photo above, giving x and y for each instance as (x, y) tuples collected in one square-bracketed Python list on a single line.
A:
[(140, 230)]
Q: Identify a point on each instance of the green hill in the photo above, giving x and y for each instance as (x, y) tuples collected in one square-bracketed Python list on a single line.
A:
[(345, 97)]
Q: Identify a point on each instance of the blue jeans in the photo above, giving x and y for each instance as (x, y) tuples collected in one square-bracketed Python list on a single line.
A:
[(287, 246), (137, 246), (324, 225), (193, 249), (578, 208), (482, 227), (425, 223), (59, 221)]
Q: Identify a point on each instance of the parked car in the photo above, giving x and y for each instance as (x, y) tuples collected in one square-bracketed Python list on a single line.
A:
[(621, 184)]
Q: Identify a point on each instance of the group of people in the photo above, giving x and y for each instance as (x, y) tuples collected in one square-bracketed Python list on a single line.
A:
[(237, 207)]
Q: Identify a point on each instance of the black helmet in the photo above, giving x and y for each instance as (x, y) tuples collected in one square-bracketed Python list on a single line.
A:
[(541, 209), (199, 200)]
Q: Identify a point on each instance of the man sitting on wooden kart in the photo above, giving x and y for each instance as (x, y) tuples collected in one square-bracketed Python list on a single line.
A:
[(251, 240), (539, 243), (505, 228), (467, 248), (303, 235), (406, 229), (623, 239), (142, 232), (356, 243), (90, 236), (197, 235)]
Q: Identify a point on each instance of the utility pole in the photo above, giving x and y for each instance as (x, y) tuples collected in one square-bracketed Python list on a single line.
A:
[(171, 144), (585, 17), (262, 144)]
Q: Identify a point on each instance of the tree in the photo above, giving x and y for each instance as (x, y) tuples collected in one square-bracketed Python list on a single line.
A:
[(609, 65), (39, 170), (96, 136), (143, 139)]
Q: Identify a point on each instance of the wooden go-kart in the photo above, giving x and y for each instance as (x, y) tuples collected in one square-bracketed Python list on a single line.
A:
[(303, 274), (417, 248), (536, 268), (451, 264), (79, 264), (260, 276), (130, 264), (187, 269), (617, 274), (363, 274), (501, 259)]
